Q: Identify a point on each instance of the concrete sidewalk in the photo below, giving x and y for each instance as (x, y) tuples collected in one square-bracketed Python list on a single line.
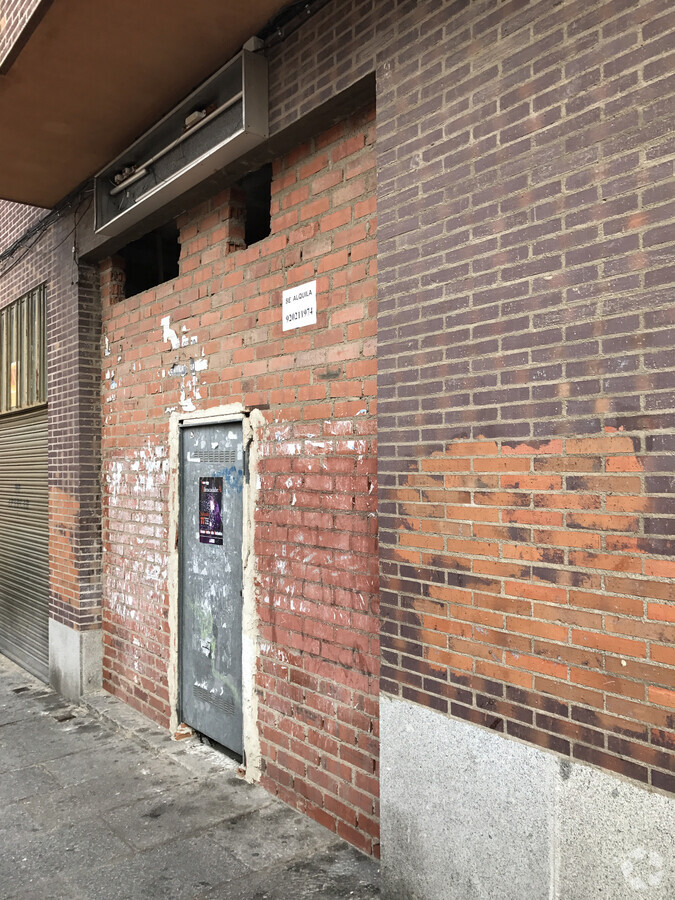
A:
[(102, 804)]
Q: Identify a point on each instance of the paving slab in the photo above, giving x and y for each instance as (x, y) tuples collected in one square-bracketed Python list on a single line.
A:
[(98, 803), (332, 875)]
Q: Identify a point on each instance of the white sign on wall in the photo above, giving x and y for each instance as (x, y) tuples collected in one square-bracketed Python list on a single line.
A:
[(298, 306)]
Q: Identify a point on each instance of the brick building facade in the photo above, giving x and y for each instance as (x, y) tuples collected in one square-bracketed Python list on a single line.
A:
[(73, 377), (525, 388), (514, 302), (315, 534)]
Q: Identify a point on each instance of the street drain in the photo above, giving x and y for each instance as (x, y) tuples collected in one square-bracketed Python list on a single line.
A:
[(20, 690), (66, 717)]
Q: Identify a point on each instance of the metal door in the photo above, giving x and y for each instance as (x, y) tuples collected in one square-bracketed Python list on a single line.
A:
[(24, 550), (211, 509)]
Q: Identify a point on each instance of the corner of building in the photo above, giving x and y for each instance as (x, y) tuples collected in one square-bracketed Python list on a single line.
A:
[(486, 817), (75, 659)]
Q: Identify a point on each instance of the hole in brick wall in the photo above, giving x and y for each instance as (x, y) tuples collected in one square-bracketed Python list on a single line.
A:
[(257, 188), (151, 260)]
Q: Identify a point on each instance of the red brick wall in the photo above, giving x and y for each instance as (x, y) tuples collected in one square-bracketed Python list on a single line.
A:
[(527, 367), (315, 537)]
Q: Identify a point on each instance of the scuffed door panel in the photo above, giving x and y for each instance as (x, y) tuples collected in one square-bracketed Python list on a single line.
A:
[(211, 510)]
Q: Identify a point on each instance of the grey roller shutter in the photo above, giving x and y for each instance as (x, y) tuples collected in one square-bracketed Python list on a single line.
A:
[(24, 561)]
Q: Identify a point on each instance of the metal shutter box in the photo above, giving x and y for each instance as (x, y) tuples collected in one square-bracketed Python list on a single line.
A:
[(24, 551)]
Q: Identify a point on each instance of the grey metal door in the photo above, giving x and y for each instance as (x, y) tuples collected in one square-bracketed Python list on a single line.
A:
[(211, 520), (24, 541)]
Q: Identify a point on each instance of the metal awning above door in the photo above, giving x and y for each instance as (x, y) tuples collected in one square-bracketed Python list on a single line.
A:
[(87, 78)]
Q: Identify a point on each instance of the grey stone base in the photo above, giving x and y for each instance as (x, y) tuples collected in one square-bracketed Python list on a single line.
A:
[(469, 815), (74, 660)]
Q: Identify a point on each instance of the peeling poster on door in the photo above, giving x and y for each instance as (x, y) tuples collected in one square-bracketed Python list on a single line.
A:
[(210, 510)]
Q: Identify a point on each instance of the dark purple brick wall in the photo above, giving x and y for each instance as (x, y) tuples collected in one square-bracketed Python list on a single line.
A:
[(73, 334), (15, 220), (527, 373), (326, 56)]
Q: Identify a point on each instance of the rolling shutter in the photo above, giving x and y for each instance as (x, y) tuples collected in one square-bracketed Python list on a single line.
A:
[(24, 562)]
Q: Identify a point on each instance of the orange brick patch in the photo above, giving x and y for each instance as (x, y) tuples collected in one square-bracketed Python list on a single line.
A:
[(537, 597)]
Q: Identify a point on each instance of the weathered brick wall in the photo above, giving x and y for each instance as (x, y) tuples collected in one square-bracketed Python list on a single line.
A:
[(525, 202), (74, 329), (315, 538), (73, 372)]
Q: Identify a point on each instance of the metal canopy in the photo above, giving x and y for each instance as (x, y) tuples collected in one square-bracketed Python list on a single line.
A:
[(92, 77)]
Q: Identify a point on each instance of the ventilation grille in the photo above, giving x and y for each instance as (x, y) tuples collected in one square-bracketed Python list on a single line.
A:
[(223, 702), (218, 457), (219, 122)]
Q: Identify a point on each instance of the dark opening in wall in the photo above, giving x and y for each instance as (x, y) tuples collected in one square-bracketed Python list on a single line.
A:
[(258, 190), (151, 260)]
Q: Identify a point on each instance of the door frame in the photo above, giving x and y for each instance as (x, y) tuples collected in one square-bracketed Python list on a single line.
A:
[(250, 420)]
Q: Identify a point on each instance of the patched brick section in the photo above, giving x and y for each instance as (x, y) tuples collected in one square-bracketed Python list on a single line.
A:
[(316, 533), (525, 173), (537, 602), (74, 327)]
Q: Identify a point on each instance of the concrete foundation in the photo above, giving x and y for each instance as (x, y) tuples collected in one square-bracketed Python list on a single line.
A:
[(74, 660), (470, 815)]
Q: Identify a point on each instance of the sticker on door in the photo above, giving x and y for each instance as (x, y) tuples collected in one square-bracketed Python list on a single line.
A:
[(210, 511)]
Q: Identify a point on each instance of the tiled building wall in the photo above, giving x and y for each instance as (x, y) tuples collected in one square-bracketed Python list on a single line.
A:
[(527, 372), (315, 536)]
